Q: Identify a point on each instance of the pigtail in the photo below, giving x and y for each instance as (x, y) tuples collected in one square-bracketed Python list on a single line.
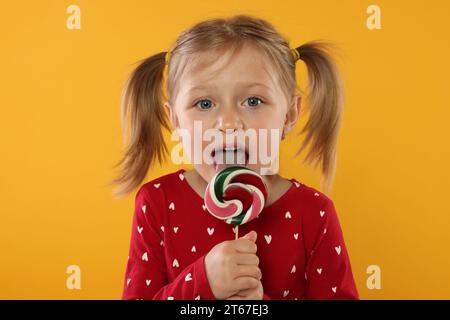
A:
[(142, 120), (325, 100)]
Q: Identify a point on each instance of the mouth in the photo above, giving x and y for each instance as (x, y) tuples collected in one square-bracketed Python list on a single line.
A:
[(229, 156)]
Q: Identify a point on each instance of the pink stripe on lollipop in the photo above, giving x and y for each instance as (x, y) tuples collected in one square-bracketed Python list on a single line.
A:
[(255, 208), (214, 209)]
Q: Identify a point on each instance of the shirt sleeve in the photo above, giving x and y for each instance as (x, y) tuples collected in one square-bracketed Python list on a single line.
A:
[(146, 272), (328, 270)]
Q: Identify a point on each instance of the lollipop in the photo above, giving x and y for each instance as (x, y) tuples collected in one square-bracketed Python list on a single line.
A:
[(236, 195)]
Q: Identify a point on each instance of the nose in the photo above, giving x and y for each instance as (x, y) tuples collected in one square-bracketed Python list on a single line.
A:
[(229, 120)]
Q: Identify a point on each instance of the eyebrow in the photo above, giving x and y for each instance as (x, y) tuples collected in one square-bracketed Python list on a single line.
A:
[(244, 85)]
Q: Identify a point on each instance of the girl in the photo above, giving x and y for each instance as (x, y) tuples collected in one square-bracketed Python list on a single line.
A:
[(229, 75)]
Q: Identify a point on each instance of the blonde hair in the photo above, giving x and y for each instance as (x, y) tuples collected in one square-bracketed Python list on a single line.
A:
[(142, 111)]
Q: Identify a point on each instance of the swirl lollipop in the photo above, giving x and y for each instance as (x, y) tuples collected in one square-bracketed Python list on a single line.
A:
[(236, 195)]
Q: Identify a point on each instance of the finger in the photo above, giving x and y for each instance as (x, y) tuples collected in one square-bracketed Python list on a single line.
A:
[(235, 297), (248, 270), (252, 235), (246, 292), (245, 246), (251, 296), (246, 258), (243, 283)]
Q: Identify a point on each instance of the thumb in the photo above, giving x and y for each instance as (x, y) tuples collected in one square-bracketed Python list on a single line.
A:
[(252, 235)]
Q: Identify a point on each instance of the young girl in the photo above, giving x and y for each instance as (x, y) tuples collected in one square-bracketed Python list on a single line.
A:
[(295, 249)]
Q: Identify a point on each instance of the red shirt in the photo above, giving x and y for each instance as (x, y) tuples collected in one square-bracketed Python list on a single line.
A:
[(300, 244)]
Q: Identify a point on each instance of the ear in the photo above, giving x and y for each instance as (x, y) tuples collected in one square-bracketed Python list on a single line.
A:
[(292, 115), (171, 115)]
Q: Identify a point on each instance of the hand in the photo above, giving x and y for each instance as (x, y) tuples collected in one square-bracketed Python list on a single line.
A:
[(232, 266), (249, 294)]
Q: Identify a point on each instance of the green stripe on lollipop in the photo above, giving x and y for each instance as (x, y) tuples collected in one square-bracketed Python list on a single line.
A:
[(220, 179), (236, 177)]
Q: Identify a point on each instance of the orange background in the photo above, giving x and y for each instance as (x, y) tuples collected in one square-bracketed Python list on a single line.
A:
[(60, 137)]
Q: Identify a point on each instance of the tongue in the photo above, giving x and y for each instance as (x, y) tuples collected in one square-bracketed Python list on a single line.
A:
[(224, 159)]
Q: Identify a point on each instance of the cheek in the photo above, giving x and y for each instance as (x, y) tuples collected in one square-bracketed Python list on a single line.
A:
[(198, 120), (267, 117), (192, 138), (269, 131), (186, 134), (268, 122)]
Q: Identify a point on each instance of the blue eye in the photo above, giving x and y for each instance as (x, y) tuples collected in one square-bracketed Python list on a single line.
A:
[(203, 105), (254, 100)]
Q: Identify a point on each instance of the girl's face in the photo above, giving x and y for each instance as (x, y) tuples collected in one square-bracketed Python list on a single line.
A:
[(226, 98)]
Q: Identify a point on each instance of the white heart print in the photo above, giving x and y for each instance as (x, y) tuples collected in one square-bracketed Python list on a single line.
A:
[(268, 238), (338, 249), (175, 263), (188, 277), (145, 257), (210, 231)]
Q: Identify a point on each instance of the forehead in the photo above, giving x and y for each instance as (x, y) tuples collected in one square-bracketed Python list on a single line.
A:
[(247, 66)]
